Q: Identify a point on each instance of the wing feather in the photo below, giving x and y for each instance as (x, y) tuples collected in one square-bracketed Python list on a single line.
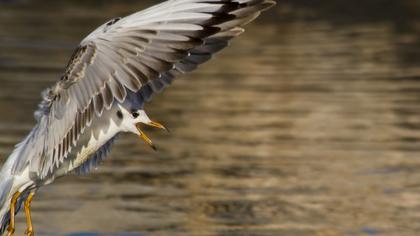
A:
[(140, 55)]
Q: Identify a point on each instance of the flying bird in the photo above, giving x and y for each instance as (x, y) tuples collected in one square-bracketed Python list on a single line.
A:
[(111, 74)]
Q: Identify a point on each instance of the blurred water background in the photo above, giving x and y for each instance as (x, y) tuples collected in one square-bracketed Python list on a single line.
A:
[(309, 124)]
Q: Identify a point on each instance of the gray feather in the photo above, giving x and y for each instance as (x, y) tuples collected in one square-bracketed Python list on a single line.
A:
[(140, 54), (96, 158)]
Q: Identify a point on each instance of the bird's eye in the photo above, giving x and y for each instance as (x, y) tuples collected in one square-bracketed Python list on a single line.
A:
[(135, 114)]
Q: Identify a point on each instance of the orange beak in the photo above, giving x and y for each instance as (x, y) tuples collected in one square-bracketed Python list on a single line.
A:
[(145, 138)]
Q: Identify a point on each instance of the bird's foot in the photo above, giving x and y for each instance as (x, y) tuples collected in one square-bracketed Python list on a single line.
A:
[(29, 232), (10, 231)]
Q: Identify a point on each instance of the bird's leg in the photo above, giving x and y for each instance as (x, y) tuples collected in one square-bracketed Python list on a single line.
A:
[(11, 228), (30, 229)]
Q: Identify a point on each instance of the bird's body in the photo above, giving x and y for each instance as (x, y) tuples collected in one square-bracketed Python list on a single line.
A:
[(113, 72)]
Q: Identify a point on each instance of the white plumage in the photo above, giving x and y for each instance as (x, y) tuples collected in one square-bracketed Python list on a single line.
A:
[(114, 70)]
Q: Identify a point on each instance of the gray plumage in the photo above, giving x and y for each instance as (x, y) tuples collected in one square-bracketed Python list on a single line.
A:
[(96, 159), (139, 53), (123, 62)]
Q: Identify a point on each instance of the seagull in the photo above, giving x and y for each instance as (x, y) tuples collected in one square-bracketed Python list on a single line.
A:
[(113, 72)]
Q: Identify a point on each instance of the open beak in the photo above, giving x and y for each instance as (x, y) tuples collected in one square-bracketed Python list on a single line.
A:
[(157, 125), (145, 138)]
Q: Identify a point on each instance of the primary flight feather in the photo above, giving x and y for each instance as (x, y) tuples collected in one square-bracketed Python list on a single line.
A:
[(109, 77)]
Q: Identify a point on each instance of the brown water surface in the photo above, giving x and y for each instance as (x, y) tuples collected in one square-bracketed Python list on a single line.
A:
[(309, 124)]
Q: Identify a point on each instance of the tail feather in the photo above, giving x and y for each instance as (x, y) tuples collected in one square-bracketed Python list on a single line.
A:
[(6, 221), (6, 184)]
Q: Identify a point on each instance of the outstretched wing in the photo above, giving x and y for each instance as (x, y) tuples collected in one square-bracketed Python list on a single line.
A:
[(140, 54)]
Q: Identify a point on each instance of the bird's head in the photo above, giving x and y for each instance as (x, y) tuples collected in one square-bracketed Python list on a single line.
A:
[(133, 120)]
